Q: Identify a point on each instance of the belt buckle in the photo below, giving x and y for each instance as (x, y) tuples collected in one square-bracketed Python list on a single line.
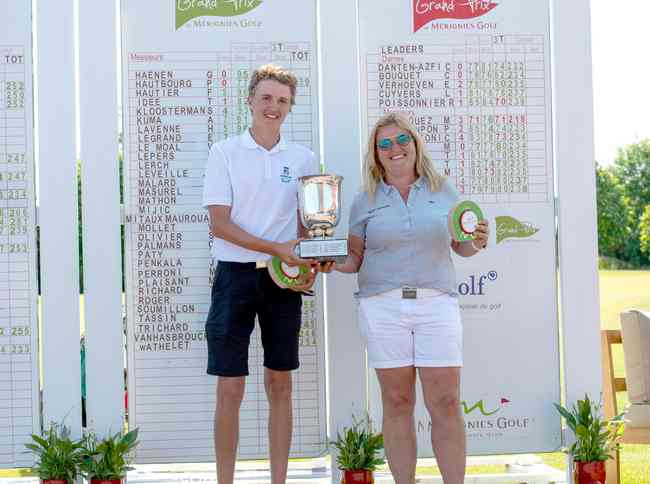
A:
[(409, 293), (261, 264)]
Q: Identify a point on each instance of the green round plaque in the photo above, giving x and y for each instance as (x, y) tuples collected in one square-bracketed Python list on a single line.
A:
[(463, 219), (288, 277)]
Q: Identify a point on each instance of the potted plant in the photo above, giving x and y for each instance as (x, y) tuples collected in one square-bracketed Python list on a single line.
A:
[(107, 460), (358, 448), (57, 456), (595, 439)]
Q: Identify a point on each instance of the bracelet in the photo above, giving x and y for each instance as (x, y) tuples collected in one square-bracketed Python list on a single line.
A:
[(477, 248)]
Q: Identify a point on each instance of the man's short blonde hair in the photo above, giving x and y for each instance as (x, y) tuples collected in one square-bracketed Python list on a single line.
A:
[(275, 73)]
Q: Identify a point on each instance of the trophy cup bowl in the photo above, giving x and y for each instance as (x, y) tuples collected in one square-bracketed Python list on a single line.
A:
[(319, 198)]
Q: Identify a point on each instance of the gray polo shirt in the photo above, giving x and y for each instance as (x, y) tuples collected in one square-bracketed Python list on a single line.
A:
[(406, 244)]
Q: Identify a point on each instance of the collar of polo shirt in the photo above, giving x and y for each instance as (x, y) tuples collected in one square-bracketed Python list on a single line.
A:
[(419, 183), (249, 142)]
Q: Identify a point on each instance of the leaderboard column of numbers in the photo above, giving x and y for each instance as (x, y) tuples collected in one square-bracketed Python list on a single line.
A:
[(227, 88), (478, 103), (16, 252)]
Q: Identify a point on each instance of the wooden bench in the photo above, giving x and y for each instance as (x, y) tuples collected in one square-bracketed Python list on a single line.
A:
[(611, 386)]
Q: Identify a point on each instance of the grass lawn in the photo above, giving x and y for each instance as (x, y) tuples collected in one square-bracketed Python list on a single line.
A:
[(12, 473), (621, 290)]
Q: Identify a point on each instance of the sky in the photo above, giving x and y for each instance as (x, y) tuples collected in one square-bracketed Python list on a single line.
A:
[(621, 74)]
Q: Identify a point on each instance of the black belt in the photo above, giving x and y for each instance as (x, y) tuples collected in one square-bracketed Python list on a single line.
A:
[(243, 266)]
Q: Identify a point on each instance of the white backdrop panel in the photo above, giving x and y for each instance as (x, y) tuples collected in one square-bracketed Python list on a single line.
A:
[(185, 87), (19, 407), (477, 84)]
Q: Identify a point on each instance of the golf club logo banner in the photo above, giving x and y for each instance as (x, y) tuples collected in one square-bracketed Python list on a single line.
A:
[(187, 10), (480, 406), (511, 228), (494, 420), (424, 11)]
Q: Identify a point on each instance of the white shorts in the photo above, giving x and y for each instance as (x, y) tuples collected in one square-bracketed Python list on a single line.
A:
[(398, 332)]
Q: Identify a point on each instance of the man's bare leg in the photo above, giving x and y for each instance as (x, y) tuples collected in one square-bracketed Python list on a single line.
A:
[(278, 391), (230, 392)]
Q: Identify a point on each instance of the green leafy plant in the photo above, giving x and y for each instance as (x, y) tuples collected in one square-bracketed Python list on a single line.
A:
[(57, 455), (595, 437), (358, 447), (108, 458)]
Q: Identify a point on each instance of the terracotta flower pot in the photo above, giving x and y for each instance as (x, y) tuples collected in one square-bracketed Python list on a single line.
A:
[(54, 481), (357, 477), (106, 481), (589, 472)]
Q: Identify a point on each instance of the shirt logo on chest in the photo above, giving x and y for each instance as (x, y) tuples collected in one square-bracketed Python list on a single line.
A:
[(285, 176)]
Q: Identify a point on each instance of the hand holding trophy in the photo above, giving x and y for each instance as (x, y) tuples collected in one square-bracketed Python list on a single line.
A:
[(319, 199)]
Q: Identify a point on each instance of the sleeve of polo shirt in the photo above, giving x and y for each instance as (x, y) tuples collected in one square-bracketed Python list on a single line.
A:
[(357, 225), (217, 188)]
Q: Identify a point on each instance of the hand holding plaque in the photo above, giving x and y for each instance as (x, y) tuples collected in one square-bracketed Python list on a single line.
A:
[(297, 278), (463, 220), (319, 198)]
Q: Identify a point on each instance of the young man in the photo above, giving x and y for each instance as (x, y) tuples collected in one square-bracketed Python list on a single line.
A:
[(250, 191)]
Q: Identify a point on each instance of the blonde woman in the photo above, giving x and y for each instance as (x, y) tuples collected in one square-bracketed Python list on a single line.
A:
[(408, 302)]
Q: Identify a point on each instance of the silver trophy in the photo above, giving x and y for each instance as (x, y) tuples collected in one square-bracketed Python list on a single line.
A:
[(320, 210)]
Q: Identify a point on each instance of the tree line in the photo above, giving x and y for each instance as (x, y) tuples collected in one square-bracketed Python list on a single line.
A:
[(623, 199)]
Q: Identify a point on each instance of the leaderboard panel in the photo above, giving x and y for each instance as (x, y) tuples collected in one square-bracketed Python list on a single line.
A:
[(186, 73), (19, 410), (479, 102)]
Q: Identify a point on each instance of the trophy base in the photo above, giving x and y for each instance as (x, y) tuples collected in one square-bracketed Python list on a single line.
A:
[(323, 250)]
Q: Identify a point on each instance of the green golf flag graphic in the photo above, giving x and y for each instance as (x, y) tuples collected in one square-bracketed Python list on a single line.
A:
[(186, 10), (509, 227)]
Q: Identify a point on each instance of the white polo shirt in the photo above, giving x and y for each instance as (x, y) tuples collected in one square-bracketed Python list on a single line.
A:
[(260, 185)]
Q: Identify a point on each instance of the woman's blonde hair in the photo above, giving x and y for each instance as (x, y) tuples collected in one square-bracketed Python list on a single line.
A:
[(373, 171)]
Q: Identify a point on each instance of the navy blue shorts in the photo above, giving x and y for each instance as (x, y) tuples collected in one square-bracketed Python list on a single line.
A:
[(239, 293)]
